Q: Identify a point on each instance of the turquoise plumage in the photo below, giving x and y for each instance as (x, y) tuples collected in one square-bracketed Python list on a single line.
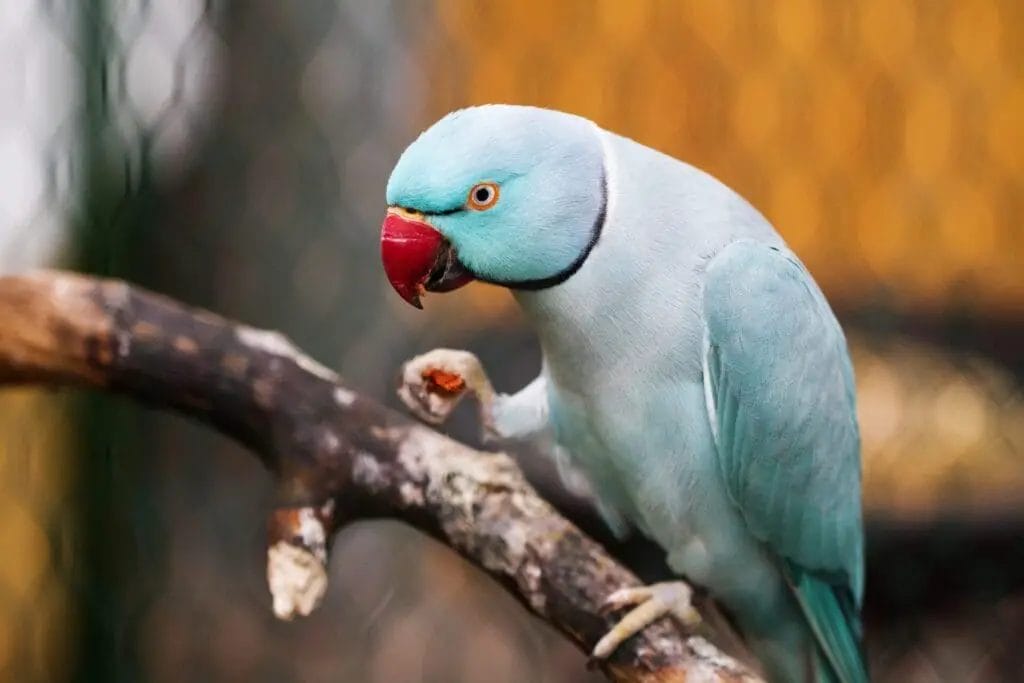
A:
[(780, 396), (693, 370)]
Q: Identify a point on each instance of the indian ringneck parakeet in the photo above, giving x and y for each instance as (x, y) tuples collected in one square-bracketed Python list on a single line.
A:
[(692, 369)]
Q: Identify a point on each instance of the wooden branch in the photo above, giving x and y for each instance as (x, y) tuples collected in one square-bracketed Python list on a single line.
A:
[(336, 456)]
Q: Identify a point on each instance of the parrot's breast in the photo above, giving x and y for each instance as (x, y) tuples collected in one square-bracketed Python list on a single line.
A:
[(622, 341)]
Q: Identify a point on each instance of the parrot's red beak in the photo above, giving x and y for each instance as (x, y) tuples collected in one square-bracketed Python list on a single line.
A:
[(417, 258)]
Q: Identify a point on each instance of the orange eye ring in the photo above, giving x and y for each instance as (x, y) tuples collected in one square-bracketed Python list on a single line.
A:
[(483, 196)]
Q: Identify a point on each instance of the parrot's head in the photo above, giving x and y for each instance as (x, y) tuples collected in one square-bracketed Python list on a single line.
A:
[(505, 194)]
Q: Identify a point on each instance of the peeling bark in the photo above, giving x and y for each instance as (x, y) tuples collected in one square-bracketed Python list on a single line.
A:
[(336, 456)]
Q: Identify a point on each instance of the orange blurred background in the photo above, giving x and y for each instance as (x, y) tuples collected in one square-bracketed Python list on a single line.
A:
[(885, 140)]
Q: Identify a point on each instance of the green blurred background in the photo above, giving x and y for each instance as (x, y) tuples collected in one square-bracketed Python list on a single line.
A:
[(234, 155)]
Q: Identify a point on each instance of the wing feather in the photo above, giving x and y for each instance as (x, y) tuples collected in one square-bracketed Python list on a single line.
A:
[(784, 418)]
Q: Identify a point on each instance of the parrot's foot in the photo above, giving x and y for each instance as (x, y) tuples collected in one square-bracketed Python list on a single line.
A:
[(434, 383), (651, 603)]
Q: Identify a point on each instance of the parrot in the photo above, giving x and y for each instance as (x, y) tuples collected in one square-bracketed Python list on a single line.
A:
[(692, 370)]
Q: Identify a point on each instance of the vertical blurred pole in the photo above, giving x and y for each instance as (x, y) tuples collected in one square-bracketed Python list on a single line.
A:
[(105, 564)]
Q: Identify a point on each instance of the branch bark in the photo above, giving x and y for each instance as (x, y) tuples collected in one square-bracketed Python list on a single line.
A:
[(336, 456)]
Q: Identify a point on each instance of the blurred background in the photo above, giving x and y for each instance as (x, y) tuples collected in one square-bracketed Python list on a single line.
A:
[(234, 155)]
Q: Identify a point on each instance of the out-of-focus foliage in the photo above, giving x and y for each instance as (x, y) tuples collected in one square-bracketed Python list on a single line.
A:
[(234, 154), (939, 434), (36, 608)]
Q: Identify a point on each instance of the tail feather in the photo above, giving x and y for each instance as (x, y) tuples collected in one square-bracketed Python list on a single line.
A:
[(833, 617)]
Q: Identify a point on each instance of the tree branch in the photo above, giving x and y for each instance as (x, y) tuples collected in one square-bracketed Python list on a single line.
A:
[(335, 455)]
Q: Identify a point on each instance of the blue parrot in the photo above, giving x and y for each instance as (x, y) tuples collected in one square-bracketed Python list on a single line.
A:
[(692, 369)]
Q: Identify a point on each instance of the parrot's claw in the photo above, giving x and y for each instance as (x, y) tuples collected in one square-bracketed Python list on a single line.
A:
[(651, 603), (433, 384)]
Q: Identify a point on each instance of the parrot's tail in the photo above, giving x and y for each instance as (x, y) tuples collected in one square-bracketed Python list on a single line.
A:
[(833, 617)]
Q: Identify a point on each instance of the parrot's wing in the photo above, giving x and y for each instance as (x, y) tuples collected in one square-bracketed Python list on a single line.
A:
[(781, 402)]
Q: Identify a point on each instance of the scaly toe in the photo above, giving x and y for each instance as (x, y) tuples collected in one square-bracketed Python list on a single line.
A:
[(625, 597), (652, 602), (678, 597)]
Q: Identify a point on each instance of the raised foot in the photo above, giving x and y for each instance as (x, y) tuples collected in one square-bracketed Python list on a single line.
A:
[(651, 603), (434, 383)]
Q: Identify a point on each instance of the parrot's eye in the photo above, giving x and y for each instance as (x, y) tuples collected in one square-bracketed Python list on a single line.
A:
[(483, 196)]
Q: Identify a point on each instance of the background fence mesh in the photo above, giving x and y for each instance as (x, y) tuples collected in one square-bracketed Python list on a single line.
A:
[(235, 154)]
